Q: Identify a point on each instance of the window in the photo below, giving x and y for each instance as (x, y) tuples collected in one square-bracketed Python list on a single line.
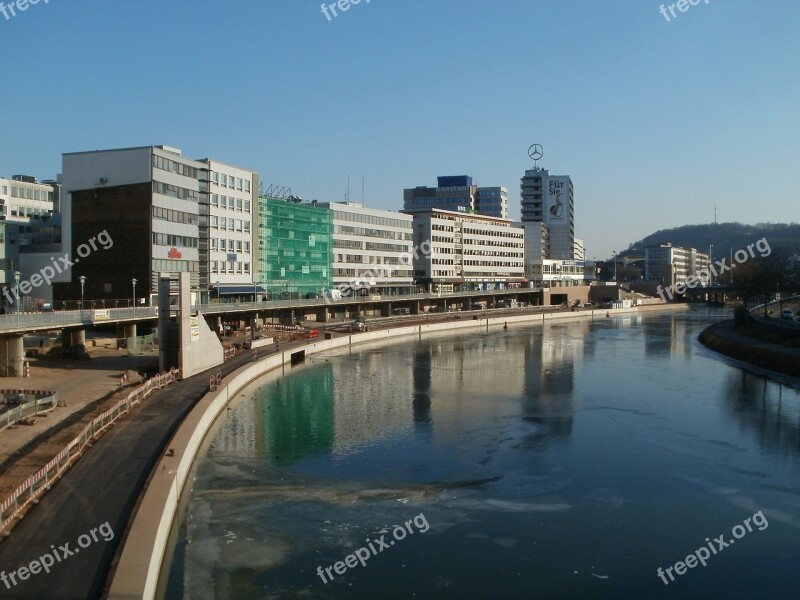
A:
[(214, 199), (224, 182), (238, 245), (246, 185), (238, 224), (213, 266), (239, 204), (214, 177), (238, 183), (223, 245), (247, 247), (238, 268), (247, 226), (247, 206), (247, 268), (214, 243), (223, 222)]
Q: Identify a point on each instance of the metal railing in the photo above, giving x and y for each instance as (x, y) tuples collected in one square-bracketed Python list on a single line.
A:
[(41, 481), (47, 401)]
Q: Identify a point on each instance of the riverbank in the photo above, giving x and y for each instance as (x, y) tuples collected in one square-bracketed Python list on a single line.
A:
[(139, 568), (750, 345)]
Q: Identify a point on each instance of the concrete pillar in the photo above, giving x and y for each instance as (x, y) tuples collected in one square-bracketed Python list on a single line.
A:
[(72, 337), (165, 361), (130, 330), (12, 355)]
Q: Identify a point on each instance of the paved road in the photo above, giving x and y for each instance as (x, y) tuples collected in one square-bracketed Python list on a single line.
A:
[(103, 486)]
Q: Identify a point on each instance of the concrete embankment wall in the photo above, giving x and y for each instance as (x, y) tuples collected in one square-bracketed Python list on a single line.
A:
[(137, 573), (756, 353)]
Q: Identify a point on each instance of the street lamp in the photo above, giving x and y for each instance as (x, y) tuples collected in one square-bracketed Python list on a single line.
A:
[(133, 282), (710, 274), (82, 279), (17, 276), (614, 252)]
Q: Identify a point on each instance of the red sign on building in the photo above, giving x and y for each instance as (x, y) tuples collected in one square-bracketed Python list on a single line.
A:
[(174, 253)]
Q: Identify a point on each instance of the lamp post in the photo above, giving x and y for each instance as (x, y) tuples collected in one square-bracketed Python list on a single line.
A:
[(82, 279), (17, 276), (133, 282), (710, 275), (614, 252)]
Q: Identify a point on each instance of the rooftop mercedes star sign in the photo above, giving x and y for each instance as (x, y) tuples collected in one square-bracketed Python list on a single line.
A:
[(536, 152)]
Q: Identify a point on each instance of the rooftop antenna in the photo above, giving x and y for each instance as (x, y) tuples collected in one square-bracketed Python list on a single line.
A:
[(362, 191), (348, 188), (715, 212)]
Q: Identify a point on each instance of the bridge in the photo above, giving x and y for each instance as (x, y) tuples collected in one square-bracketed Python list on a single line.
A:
[(73, 323)]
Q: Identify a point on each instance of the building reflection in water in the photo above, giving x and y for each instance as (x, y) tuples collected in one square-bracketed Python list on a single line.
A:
[(768, 409)]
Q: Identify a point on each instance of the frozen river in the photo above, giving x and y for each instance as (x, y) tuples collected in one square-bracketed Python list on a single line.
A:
[(573, 460)]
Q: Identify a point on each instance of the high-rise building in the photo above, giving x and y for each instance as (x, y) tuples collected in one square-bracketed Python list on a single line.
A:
[(457, 193), (549, 199)]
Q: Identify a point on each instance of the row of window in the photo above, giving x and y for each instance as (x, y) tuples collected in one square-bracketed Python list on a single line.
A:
[(18, 191), (373, 233), (225, 266), (230, 203), (371, 219), (165, 239), (230, 224), (175, 216), (172, 166), (230, 245), (174, 191), (495, 233), (229, 181)]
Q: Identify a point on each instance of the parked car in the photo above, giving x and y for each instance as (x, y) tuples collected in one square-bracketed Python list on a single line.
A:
[(787, 314)]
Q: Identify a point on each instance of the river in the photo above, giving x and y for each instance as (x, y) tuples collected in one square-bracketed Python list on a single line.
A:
[(570, 460)]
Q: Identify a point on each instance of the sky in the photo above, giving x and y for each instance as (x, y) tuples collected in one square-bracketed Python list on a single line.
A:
[(655, 120)]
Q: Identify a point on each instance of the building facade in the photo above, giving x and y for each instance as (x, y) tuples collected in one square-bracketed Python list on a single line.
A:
[(668, 265), (29, 223), (550, 273), (155, 194), (294, 248), (372, 249), (454, 251), (233, 231), (459, 194), (549, 199)]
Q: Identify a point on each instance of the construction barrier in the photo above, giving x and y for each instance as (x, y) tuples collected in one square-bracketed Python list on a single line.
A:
[(41, 481)]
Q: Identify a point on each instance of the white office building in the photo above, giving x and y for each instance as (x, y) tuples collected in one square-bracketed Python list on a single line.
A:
[(549, 199), (372, 249), (551, 273), (29, 226), (156, 203), (233, 235), (456, 251), (668, 265)]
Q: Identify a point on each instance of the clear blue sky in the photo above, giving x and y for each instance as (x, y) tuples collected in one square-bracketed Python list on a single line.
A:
[(654, 121)]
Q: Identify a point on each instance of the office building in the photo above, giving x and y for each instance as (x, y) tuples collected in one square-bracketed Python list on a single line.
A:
[(457, 193), (155, 204), (29, 227), (549, 199), (372, 249), (455, 251), (667, 264), (294, 247)]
